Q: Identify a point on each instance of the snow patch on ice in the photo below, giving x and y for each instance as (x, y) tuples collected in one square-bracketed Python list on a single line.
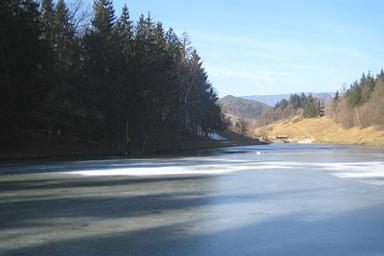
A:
[(369, 171)]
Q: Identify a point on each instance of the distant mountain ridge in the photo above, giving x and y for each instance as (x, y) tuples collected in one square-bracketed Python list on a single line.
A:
[(240, 107), (271, 100)]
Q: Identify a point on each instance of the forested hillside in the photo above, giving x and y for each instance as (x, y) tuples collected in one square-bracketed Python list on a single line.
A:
[(305, 105), (355, 115), (111, 81), (242, 108), (362, 104), (271, 100)]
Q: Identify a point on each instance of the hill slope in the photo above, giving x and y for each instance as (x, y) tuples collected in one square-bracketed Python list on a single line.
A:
[(322, 130), (242, 108)]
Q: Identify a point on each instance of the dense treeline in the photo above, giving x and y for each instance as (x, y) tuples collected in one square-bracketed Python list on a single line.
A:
[(112, 82), (305, 105), (361, 104)]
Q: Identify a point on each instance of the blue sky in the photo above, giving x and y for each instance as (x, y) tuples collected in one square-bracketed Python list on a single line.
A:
[(270, 47)]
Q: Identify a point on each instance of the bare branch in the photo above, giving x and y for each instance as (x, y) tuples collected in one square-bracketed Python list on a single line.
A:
[(80, 14)]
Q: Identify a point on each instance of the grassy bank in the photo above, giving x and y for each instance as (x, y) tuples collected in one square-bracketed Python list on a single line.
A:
[(322, 130)]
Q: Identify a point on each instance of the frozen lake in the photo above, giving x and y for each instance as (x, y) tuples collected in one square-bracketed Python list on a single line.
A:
[(253, 200)]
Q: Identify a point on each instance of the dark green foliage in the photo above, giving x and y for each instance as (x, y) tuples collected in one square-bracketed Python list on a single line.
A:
[(367, 85), (281, 104), (312, 107), (296, 101), (58, 109), (22, 62), (360, 91), (133, 87), (362, 104), (354, 95), (104, 17), (297, 104), (336, 97)]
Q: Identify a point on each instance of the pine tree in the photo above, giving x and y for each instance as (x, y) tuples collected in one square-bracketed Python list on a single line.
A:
[(59, 108), (47, 17), (336, 97), (312, 108), (104, 17), (112, 85), (22, 57), (100, 69), (381, 75), (124, 32), (124, 96), (354, 95), (64, 37)]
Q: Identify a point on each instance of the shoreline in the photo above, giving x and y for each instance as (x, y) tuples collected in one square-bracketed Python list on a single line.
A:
[(186, 147), (311, 140)]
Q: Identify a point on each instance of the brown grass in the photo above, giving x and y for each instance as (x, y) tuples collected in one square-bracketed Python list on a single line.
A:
[(323, 130)]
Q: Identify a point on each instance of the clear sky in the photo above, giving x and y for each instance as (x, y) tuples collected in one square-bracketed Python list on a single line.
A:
[(276, 46)]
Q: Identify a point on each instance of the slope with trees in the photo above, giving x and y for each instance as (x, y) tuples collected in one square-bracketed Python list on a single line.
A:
[(362, 104), (271, 100), (355, 115), (242, 108), (111, 83), (240, 114), (306, 106)]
